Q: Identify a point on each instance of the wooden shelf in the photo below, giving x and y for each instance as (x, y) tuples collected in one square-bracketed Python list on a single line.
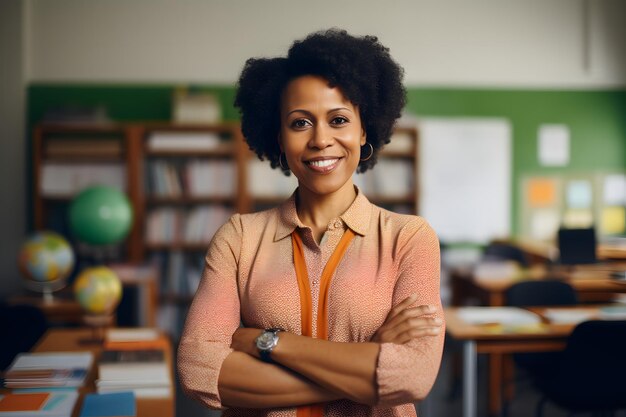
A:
[(221, 152), (189, 200), (180, 246)]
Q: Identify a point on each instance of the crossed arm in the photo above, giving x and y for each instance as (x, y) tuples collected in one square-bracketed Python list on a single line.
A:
[(312, 370)]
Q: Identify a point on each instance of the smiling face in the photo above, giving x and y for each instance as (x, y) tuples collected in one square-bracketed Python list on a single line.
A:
[(321, 135)]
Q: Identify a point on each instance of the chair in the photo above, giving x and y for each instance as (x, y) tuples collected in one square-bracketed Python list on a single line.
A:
[(21, 326), (547, 292), (577, 246), (590, 375), (502, 251)]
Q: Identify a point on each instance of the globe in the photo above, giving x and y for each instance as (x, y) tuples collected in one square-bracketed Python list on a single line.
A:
[(46, 258), (100, 215), (98, 290)]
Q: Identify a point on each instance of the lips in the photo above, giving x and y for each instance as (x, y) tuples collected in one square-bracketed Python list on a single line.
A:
[(323, 165)]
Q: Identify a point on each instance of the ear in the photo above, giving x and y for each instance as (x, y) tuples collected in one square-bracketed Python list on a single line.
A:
[(363, 137)]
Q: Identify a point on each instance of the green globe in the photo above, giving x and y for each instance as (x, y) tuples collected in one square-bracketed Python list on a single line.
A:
[(98, 290), (100, 215), (46, 257)]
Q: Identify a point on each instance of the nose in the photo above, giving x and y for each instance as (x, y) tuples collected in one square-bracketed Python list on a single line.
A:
[(321, 137)]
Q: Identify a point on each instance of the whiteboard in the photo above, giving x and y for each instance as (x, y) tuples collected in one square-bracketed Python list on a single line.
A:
[(465, 177)]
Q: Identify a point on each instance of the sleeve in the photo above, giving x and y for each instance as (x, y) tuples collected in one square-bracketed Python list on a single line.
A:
[(213, 317), (406, 373)]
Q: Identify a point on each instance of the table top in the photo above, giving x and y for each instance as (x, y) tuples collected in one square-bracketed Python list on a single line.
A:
[(583, 277)]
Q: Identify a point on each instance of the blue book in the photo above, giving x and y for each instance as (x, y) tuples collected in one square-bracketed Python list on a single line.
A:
[(118, 404)]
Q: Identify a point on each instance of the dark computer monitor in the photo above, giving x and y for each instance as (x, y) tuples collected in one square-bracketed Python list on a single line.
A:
[(577, 246)]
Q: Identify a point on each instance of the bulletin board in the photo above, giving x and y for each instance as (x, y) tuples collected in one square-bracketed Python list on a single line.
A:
[(573, 200), (465, 177)]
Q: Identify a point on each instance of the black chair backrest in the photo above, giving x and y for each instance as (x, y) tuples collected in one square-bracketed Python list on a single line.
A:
[(593, 367), (541, 293), (505, 252), (577, 246)]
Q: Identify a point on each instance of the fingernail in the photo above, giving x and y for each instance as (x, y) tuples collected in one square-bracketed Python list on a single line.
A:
[(413, 296)]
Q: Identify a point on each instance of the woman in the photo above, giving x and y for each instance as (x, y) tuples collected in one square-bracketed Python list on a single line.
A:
[(339, 298)]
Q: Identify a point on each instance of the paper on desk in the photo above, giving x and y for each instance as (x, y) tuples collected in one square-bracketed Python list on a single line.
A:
[(53, 360), (613, 313), (508, 316), (132, 334), (570, 315)]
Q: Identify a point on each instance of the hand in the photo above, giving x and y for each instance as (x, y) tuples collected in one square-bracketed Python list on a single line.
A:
[(244, 340), (404, 323)]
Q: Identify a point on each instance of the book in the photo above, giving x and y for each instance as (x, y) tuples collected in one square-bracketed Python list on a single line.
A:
[(58, 369), (38, 404), (143, 371), (116, 365), (121, 404)]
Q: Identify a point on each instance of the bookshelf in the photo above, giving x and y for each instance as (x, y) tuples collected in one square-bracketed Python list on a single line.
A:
[(184, 181), (67, 158)]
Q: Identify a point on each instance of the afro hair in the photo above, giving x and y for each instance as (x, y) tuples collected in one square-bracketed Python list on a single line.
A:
[(360, 66)]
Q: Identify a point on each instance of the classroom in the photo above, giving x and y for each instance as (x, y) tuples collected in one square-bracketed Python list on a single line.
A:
[(124, 157)]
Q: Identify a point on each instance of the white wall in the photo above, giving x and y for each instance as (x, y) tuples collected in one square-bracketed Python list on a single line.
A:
[(517, 43), (12, 143)]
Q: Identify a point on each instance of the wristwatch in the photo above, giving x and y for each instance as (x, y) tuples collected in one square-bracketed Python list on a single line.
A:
[(266, 342)]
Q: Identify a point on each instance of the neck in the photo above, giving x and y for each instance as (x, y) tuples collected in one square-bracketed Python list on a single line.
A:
[(316, 211)]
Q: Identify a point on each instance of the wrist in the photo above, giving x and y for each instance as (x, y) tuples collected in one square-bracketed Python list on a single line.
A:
[(266, 342)]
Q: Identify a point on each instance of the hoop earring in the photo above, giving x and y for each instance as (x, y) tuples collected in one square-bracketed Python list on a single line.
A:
[(371, 152), (280, 162)]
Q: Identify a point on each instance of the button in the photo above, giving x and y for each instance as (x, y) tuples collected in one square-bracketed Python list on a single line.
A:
[(337, 224)]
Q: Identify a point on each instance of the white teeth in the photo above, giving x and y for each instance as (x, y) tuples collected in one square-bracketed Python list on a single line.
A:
[(324, 163)]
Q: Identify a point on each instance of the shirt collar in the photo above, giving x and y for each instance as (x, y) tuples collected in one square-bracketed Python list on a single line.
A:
[(356, 217)]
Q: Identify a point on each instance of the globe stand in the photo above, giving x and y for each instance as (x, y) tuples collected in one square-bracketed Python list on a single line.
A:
[(98, 324), (47, 289)]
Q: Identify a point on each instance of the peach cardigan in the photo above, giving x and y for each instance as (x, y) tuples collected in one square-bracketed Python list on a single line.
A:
[(250, 277)]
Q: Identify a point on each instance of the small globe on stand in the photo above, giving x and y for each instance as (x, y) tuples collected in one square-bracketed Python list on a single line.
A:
[(46, 259), (98, 290)]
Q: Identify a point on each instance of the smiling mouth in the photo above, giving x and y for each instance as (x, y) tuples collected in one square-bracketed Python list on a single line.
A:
[(323, 165)]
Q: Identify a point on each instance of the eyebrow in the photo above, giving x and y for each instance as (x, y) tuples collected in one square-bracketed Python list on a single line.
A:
[(329, 111)]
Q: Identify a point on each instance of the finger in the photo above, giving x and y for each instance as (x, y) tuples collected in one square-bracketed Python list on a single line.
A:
[(417, 323), (407, 336), (402, 305), (409, 313)]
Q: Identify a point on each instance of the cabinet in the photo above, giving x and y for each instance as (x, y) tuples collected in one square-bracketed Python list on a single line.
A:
[(185, 181)]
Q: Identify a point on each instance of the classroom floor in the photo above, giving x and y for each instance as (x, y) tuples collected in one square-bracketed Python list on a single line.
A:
[(444, 401)]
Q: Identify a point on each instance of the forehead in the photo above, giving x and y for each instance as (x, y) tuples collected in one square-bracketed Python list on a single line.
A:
[(312, 91)]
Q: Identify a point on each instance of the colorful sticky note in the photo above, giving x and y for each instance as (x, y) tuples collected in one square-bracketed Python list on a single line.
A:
[(615, 189), (544, 224), (613, 220), (541, 192), (579, 194), (578, 218)]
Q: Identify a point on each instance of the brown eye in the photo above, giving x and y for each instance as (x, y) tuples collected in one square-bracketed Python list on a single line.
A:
[(339, 120), (300, 123)]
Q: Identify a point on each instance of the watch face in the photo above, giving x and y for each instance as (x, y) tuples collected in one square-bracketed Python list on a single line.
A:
[(266, 340)]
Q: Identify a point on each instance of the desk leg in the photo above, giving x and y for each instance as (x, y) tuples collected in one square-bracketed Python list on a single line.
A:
[(495, 383), (470, 379)]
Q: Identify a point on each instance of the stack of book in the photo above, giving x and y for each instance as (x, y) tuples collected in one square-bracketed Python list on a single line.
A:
[(43, 370), (136, 365)]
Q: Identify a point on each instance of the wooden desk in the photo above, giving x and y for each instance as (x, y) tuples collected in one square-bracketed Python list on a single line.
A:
[(69, 340), (592, 283), (548, 251), (479, 339)]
